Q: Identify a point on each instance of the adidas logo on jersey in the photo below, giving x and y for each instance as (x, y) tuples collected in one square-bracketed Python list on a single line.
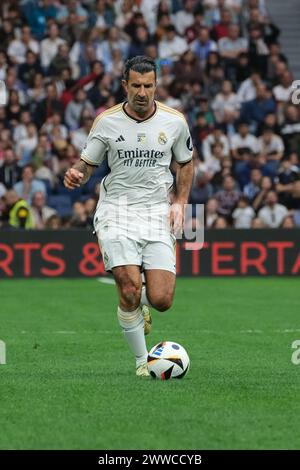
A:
[(120, 139)]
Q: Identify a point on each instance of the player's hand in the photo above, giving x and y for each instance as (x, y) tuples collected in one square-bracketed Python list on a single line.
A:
[(177, 219), (73, 178)]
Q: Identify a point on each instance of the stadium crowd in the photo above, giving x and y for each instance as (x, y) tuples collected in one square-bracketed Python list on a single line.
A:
[(219, 62)]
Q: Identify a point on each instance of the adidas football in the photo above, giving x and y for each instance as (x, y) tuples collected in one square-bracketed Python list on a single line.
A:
[(168, 360)]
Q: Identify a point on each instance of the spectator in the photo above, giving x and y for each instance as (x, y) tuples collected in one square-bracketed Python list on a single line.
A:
[(90, 208), (211, 212), (221, 29), (253, 187), (217, 136), (79, 136), (73, 7), (290, 129), (26, 145), (272, 214), (17, 211), (247, 89), (75, 109), (200, 131), (14, 108), (10, 172), (227, 197), (165, 97), (104, 16), (243, 214), (49, 46), (254, 111), (36, 91), (187, 69), (29, 68), (6, 33), (270, 121), (258, 49), (201, 190), (79, 218), (40, 212), (282, 92), (114, 40), (3, 64), (243, 141), (288, 222), (18, 47), (203, 45), (43, 161), (55, 121), (257, 223), (230, 48), (61, 61), (226, 105), (138, 19), (37, 15), (220, 223), (260, 198), (28, 185), (286, 176), (213, 61), (171, 46), (48, 106), (215, 81), (184, 18), (126, 14), (243, 68), (53, 223), (139, 42), (191, 32), (295, 199), (271, 149)]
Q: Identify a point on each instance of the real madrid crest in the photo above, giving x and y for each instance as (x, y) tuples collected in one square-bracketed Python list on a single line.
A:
[(162, 138)]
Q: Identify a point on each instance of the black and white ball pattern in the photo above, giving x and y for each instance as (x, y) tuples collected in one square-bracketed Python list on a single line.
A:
[(168, 360)]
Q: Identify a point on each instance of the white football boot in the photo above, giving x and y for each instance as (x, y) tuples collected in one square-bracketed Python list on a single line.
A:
[(142, 371)]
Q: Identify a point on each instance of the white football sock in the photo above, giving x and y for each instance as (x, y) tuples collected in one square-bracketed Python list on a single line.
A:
[(132, 324), (144, 298)]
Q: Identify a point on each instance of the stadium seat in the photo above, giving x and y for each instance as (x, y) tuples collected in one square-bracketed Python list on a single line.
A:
[(62, 203), (74, 195), (47, 185)]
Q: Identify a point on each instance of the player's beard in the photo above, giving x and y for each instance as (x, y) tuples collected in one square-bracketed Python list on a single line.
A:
[(141, 106)]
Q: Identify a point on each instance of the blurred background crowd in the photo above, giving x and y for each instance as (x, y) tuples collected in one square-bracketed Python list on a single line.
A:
[(219, 62)]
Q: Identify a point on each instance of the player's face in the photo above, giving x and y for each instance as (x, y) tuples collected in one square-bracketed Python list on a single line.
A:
[(140, 90)]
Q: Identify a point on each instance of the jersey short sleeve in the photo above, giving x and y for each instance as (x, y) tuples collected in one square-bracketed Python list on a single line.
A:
[(96, 146), (183, 146)]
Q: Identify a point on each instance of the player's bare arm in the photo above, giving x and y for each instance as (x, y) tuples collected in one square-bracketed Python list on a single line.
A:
[(78, 175), (184, 178)]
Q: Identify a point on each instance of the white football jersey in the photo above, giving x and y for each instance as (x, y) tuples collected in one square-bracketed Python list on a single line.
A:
[(139, 153)]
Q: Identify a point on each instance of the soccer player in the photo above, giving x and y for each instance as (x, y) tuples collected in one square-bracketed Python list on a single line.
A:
[(135, 222)]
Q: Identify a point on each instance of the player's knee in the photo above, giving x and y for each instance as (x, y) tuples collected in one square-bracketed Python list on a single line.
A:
[(131, 295), (163, 303)]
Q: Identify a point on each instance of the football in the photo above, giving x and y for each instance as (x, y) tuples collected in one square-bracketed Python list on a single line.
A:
[(168, 360)]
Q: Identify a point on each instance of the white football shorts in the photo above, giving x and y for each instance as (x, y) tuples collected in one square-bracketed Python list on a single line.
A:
[(124, 244)]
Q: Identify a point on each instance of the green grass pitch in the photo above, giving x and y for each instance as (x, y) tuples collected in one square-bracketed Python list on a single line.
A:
[(69, 381)]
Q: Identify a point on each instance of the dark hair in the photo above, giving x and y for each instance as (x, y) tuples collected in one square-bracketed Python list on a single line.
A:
[(141, 64), (267, 129), (244, 199)]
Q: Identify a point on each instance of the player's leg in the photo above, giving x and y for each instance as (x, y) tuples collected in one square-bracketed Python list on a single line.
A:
[(145, 306), (129, 285), (160, 288), (122, 256), (160, 272)]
